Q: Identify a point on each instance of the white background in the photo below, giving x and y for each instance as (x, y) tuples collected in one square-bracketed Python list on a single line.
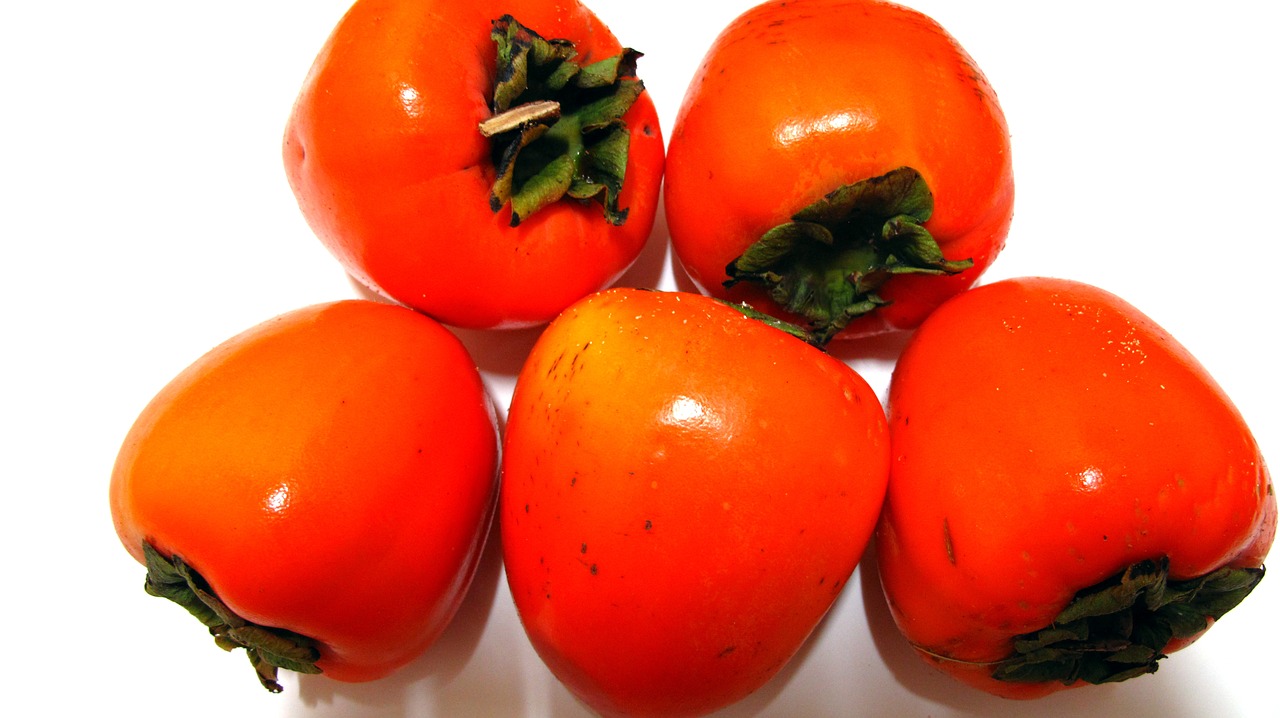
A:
[(145, 218)]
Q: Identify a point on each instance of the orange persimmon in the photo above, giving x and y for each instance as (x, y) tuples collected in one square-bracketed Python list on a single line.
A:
[(317, 489), (685, 492), (483, 228), (842, 163), (1072, 496)]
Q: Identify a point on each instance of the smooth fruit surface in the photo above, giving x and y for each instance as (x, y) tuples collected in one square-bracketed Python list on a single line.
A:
[(796, 99), (385, 157), (1047, 436), (330, 472), (685, 492)]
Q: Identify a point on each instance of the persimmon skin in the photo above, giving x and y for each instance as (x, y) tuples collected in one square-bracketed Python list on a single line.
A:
[(796, 98), (685, 492), (384, 156), (331, 472), (1046, 435)]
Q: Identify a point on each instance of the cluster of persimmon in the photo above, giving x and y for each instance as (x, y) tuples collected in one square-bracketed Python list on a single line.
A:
[(689, 474)]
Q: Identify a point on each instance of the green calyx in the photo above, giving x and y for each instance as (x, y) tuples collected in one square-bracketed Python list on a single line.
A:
[(1119, 628), (557, 128), (268, 648), (829, 262)]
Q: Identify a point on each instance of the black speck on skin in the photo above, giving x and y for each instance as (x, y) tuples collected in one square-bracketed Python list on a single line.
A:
[(946, 539)]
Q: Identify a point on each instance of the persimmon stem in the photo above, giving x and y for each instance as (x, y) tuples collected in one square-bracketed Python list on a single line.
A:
[(520, 116)]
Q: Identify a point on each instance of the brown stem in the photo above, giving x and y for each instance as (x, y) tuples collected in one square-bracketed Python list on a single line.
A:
[(520, 116)]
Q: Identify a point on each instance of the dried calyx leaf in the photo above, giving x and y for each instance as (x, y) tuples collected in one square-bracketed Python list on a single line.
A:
[(828, 263), (268, 648), (557, 126), (1119, 628)]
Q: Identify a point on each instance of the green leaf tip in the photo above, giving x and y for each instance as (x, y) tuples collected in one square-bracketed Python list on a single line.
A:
[(783, 326)]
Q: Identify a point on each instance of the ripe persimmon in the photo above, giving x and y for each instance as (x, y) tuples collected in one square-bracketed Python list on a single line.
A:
[(397, 167), (1072, 496), (842, 163), (317, 489), (685, 492)]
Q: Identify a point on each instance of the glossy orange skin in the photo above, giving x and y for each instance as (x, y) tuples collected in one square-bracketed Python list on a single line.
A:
[(685, 492), (1046, 435), (331, 471), (383, 153), (797, 98)]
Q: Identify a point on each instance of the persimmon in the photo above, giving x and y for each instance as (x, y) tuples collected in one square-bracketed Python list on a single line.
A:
[(487, 163), (1072, 496), (840, 163), (317, 489), (686, 490)]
